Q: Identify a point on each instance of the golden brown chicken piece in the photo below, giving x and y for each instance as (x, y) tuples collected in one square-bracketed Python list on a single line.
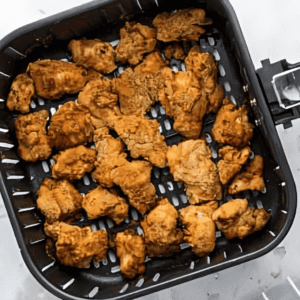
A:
[(232, 160), (52, 229), (100, 202), (110, 154), (213, 205), (58, 200), (143, 139), (199, 228), (182, 25), (20, 95), (54, 78), (73, 163), (71, 126), (131, 252), (236, 219), (174, 51), (161, 236), (190, 162), (136, 40), (205, 68), (76, 247), (134, 179), (97, 96), (181, 98), (94, 54), (231, 125), (138, 88), (34, 143), (251, 179)]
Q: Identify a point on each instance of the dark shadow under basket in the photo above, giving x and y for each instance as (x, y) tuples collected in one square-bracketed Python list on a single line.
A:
[(19, 180)]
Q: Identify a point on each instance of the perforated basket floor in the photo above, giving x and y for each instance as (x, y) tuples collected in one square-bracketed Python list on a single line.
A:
[(104, 280)]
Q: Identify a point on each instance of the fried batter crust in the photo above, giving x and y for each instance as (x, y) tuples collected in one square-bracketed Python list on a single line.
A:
[(231, 125), (20, 95), (70, 126), (136, 40), (30, 129), (73, 163), (161, 236), (236, 219), (94, 54), (174, 51), (54, 78), (199, 228), (131, 252), (76, 247)]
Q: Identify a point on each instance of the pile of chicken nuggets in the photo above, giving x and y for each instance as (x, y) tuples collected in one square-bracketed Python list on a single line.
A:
[(120, 104)]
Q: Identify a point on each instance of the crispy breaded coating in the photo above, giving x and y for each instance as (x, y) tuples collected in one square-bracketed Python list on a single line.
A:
[(94, 54), (100, 202), (199, 228), (182, 25), (131, 252), (135, 40), (30, 129), (251, 179), (231, 125), (205, 68), (138, 88), (190, 162), (54, 78), (213, 205), (232, 160), (174, 51), (70, 126), (110, 154), (162, 238), (73, 163), (181, 98), (58, 200), (134, 179), (98, 98), (143, 139), (77, 247), (20, 95), (236, 219), (52, 229)]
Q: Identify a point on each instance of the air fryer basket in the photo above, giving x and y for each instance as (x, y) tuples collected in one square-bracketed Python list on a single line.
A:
[(19, 181)]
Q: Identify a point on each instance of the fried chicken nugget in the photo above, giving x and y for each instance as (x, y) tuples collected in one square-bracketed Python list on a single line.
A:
[(94, 54), (190, 162), (250, 179), (100, 202), (231, 125), (143, 139), (76, 247), (52, 229), (98, 98), (182, 25), (181, 98), (73, 163), (135, 40), (162, 238), (199, 228), (54, 78), (131, 252), (138, 88), (58, 200), (236, 219), (174, 51), (205, 68), (20, 95), (30, 129), (70, 126), (232, 160)]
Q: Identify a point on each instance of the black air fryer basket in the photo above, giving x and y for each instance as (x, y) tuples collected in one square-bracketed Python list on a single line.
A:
[(19, 180)]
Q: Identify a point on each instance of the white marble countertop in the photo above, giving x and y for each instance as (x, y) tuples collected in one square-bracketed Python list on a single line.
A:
[(271, 31)]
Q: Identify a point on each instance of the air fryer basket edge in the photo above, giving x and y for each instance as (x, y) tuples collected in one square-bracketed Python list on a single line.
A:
[(266, 128)]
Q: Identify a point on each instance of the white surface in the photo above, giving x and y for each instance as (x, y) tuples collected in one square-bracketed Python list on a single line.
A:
[(271, 31)]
